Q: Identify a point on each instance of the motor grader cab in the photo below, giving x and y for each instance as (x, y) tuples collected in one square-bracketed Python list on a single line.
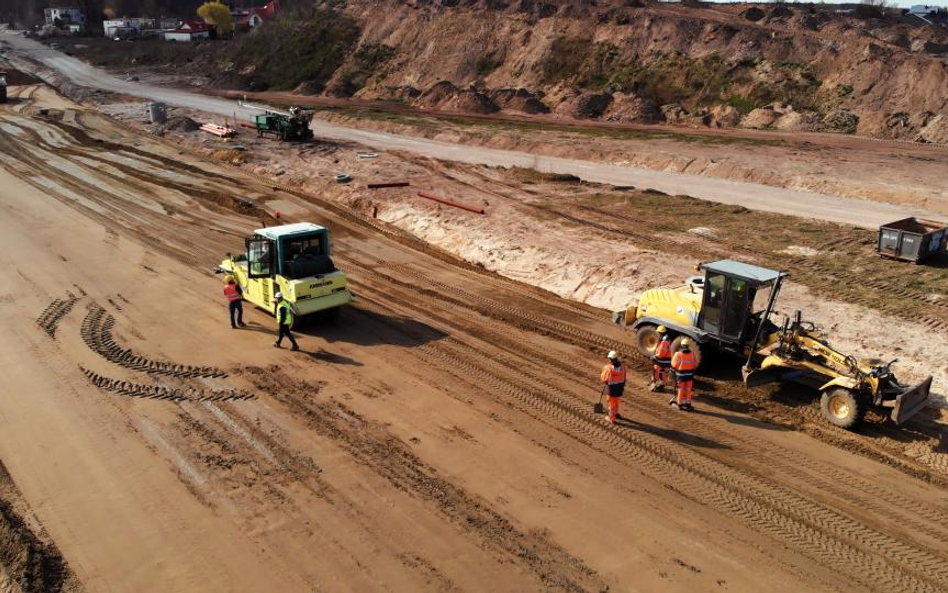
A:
[(293, 259), (721, 310), (729, 309)]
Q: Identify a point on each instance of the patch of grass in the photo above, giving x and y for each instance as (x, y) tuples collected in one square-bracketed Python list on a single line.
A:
[(843, 259), (291, 49), (487, 64)]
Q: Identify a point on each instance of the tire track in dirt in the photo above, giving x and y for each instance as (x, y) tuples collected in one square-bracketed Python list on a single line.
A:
[(96, 332), (766, 453), (54, 312), (176, 394), (373, 446), (781, 509)]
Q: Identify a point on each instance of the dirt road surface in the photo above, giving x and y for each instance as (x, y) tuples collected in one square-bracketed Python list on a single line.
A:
[(438, 436), (857, 212)]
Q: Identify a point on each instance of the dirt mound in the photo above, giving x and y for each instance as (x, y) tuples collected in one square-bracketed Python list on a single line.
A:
[(840, 120), (584, 105), (760, 118), (798, 121), (518, 100), (935, 130), (634, 109), (180, 123), (754, 14), (724, 116)]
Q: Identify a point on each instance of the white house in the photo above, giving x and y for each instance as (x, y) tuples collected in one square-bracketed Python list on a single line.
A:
[(64, 15), (923, 10), (189, 31), (127, 27)]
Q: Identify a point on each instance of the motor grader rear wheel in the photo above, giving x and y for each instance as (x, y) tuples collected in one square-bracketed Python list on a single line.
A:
[(646, 339), (842, 407)]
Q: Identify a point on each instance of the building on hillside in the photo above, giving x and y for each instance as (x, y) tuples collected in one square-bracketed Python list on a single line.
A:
[(64, 15), (254, 17), (126, 27), (923, 10), (190, 30)]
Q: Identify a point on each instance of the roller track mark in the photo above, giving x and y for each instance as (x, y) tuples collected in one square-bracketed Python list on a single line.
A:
[(54, 312), (821, 534), (96, 332), (131, 389), (789, 503)]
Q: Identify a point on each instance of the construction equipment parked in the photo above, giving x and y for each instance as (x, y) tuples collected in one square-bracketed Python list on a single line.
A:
[(292, 259), (729, 310), (291, 125)]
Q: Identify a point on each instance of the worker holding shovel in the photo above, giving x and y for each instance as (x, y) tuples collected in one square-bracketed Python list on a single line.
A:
[(613, 377)]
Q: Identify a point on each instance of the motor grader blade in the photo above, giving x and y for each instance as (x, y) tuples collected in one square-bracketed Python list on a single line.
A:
[(758, 377), (911, 401)]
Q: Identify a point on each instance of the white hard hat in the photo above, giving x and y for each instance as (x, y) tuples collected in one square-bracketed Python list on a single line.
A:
[(612, 354), (278, 295)]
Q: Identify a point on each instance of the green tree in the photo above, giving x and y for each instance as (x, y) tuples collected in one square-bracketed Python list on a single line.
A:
[(217, 14)]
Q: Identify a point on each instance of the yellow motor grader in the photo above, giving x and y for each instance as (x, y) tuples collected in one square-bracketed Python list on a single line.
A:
[(729, 309)]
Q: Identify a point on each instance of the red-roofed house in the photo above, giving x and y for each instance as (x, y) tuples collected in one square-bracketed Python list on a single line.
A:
[(189, 30), (255, 16)]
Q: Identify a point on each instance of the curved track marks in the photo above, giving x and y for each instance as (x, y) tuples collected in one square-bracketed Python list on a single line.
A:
[(97, 334)]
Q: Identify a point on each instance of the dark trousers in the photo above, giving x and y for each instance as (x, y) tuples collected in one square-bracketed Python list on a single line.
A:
[(238, 307), (285, 331)]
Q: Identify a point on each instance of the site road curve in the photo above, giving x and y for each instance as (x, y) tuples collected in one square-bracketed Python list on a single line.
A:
[(438, 436), (857, 212)]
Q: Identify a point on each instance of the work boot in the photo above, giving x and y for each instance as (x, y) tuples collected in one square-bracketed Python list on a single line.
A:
[(275, 345), (620, 417), (294, 348), (242, 324)]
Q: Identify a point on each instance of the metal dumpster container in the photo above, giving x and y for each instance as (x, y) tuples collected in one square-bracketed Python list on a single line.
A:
[(912, 239)]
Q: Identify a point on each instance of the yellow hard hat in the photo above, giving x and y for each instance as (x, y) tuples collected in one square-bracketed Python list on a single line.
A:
[(228, 279), (661, 329), (685, 342)]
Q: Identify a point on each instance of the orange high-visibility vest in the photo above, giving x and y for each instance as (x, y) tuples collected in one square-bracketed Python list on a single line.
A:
[(613, 375), (230, 291), (684, 363), (663, 352)]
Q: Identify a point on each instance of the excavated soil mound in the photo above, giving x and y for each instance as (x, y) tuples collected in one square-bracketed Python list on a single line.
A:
[(762, 117), (634, 109), (840, 120), (798, 121), (180, 123), (473, 101), (935, 131), (518, 100), (585, 105)]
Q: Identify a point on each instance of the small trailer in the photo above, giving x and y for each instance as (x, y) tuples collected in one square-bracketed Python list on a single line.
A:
[(912, 239)]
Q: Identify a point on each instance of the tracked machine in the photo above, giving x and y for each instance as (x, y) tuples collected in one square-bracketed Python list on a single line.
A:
[(291, 125), (729, 310), (293, 259)]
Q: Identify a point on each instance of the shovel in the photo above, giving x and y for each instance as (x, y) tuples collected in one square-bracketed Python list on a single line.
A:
[(597, 408)]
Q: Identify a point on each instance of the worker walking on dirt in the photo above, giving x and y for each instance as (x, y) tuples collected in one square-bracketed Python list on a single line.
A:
[(613, 375), (284, 315), (684, 362), (661, 360), (235, 303)]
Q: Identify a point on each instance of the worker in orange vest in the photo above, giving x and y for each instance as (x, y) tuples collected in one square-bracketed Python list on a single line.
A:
[(613, 376), (684, 362), (661, 360), (234, 302)]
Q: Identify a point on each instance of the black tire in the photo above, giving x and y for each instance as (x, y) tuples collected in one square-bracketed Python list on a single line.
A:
[(694, 346), (842, 407), (646, 339)]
